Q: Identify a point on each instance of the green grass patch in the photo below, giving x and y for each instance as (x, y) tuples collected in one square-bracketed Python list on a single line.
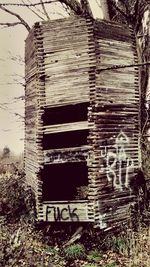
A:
[(74, 252)]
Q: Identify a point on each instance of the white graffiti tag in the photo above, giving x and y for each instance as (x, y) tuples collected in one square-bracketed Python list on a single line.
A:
[(118, 162)]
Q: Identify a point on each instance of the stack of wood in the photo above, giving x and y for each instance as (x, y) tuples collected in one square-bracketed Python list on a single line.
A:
[(82, 128)]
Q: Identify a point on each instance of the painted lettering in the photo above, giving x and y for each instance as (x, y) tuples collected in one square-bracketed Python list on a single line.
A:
[(58, 214), (117, 161)]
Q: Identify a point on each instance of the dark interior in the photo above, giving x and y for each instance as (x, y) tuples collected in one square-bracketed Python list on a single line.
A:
[(65, 139), (63, 181), (60, 181), (65, 114)]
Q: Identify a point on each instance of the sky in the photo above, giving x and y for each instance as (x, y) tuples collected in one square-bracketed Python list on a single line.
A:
[(12, 72)]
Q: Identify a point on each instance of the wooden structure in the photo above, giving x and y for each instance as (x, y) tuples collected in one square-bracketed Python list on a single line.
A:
[(82, 120)]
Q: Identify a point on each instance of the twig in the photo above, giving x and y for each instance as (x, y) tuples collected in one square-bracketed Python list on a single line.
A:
[(119, 10), (33, 11), (10, 24), (44, 9), (73, 5), (98, 3), (22, 21), (30, 5), (147, 117), (36, 8), (76, 236), (86, 8), (64, 7)]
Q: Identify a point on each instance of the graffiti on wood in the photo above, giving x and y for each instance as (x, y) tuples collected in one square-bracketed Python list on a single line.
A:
[(62, 214), (66, 212), (117, 162), (65, 157)]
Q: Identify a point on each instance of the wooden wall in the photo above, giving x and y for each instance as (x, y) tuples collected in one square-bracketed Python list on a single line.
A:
[(78, 61), (115, 114)]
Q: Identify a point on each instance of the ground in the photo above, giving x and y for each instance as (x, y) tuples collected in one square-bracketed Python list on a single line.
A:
[(24, 242)]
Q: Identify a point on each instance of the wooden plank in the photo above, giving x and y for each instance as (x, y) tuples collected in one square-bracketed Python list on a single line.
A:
[(65, 127), (66, 211), (75, 154)]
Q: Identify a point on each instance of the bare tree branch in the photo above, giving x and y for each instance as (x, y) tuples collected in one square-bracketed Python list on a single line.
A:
[(33, 11), (113, 3), (13, 83), (44, 9), (9, 24), (22, 97), (79, 8), (37, 9), (30, 5), (125, 5), (98, 3), (73, 5), (16, 58), (136, 8), (22, 21), (86, 8), (66, 8)]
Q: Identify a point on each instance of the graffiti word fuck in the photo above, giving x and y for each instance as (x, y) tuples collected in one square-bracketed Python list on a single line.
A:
[(58, 214)]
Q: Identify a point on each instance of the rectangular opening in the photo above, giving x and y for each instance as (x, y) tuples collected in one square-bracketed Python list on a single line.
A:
[(67, 181), (65, 114), (65, 139)]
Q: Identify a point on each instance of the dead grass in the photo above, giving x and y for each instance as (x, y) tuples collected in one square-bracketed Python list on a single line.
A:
[(139, 248), (23, 244)]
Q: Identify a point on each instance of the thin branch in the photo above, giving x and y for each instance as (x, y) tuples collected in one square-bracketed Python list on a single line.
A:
[(145, 124), (36, 8), (98, 3), (66, 8), (16, 58), (86, 7), (19, 115), (10, 24), (22, 97), (44, 9), (23, 22), (73, 5), (30, 5), (119, 10), (126, 4), (13, 83), (3, 106), (136, 16), (33, 11)]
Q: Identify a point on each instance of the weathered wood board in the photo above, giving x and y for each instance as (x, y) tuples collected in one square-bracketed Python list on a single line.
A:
[(66, 211), (66, 61), (57, 156)]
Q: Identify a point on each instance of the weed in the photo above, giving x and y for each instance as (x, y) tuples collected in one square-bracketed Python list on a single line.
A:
[(51, 251), (116, 243), (90, 265), (76, 251), (113, 264), (94, 256)]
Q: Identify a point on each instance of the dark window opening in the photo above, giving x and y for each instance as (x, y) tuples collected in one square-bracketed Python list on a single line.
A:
[(65, 182), (65, 139), (65, 114)]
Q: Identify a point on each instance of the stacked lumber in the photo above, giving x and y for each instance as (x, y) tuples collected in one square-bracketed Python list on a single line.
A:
[(115, 115), (76, 66)]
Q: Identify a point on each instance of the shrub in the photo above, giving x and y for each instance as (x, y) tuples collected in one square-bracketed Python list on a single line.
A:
[(15, 200)]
